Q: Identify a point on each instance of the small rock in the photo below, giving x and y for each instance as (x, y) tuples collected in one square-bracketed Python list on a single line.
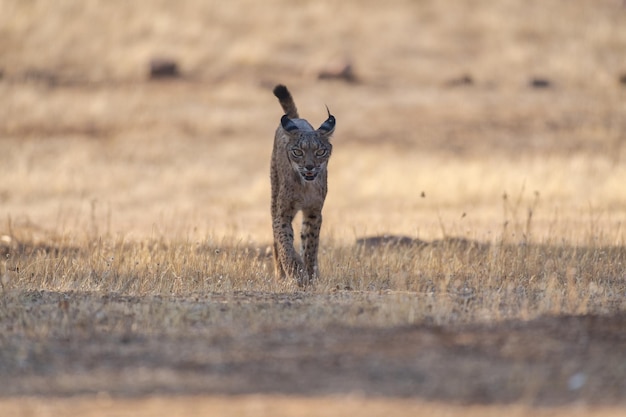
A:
[(540, 83), (463, 80), (344, 72), (163, 68), (388, 240), (576, 381)]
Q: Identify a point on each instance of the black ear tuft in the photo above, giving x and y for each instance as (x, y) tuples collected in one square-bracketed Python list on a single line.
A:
[(329, 125), (287, 124)]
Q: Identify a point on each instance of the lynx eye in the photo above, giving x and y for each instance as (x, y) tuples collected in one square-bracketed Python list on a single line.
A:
[(298, 153), (321, 152)]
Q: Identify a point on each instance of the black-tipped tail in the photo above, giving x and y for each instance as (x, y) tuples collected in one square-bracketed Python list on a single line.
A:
[(286, 101), (281, 92)]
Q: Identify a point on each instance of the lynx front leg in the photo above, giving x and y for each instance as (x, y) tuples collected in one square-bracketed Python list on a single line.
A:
[(287, 259), (311, 225), (279, 272)]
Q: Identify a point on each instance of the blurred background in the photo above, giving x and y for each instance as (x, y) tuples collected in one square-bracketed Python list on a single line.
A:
[(468, 118)]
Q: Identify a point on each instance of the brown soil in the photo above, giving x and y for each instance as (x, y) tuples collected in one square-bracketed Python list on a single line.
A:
[(550, 361)]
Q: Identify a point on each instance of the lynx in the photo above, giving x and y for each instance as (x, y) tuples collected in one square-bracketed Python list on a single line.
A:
[(299, 183)]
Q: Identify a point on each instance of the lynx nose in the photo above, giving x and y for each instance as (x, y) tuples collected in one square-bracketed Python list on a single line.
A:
[(309, 167)]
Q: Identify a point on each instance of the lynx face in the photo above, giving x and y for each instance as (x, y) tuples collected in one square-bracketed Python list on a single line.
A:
[(308, 149), (309, 155)]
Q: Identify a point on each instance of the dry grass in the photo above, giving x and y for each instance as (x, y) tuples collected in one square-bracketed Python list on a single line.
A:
[(156, 194), (444, 282)]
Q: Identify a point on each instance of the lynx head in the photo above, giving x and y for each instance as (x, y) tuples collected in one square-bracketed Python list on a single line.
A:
[(308, 150)]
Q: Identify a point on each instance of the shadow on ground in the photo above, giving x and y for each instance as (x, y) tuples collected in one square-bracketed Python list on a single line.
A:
[(65, 344)]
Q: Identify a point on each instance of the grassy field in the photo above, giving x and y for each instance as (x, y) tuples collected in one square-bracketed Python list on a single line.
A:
[(134, 213)]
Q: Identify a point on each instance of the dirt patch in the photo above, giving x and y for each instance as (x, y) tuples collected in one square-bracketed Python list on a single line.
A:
[(128, 347)]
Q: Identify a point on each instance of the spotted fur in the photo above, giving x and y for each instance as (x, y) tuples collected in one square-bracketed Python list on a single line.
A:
[(298, 174)]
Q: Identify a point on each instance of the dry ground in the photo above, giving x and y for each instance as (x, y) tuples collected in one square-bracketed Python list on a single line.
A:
[(134, 213), (65, 344)]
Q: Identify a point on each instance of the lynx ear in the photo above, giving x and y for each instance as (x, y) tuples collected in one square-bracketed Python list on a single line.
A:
[(287, 124), (328, 126)]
